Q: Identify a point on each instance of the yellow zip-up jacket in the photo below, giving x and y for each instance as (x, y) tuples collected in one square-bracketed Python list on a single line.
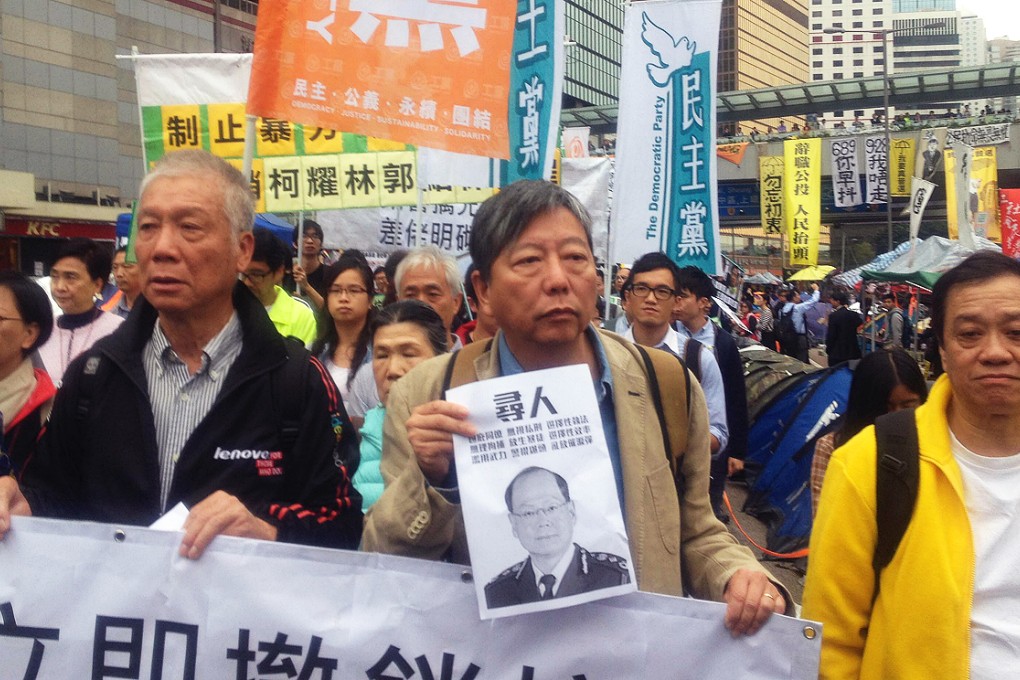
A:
[(919, 626)]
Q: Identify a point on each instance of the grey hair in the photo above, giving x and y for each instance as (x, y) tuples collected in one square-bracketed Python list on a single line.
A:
[(238, 201), (430, 256), (501, 219)]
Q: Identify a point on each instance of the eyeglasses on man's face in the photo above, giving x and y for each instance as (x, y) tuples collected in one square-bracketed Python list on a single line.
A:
[(540, 513), (661, 292), (255, 276)]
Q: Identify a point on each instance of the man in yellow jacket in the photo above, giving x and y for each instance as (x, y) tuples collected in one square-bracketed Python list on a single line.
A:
[(292, 316), (947, 602)]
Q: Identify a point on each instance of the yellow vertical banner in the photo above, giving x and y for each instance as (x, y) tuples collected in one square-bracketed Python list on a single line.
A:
[(802, 184), (282, 184), (320, 176), (359, 180), (982, 198), (902, 166), (770, 192)]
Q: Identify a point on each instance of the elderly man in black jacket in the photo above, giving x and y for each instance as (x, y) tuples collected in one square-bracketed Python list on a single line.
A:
[(196, 399)]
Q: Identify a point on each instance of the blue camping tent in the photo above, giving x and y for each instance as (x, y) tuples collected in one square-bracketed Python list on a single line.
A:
[(781, 446), (282, 229)]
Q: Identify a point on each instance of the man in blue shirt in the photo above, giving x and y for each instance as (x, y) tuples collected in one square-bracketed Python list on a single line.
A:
[(536, 272)]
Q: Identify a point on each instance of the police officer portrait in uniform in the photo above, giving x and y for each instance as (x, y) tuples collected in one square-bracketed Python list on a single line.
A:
[(542, 518)]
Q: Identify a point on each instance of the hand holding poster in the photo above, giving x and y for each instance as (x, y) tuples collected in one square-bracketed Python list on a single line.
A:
[(541, 507)]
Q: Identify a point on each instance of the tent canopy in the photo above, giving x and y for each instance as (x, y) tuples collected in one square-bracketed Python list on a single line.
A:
[(928, 261), (815, 272)]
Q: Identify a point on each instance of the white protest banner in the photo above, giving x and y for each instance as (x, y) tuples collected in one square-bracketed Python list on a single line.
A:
[(589, 179), (876, 170), (446, 222), (80, 600), (979, 135), (541, 508), (846, 183), (666, 164), (920, 191)]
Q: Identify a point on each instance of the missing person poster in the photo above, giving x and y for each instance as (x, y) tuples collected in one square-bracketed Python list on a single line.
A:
[(540, 500)]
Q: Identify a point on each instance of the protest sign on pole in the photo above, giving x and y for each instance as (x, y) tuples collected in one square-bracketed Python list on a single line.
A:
[(846, 181), (665, 195), (83, 600), (575, 142), (803, 188), (426, 73)]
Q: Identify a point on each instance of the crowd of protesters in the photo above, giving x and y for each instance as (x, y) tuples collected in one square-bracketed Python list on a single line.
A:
[(224, 343)]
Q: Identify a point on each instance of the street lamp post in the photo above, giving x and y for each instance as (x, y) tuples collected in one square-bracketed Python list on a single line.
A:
[(885, 33)]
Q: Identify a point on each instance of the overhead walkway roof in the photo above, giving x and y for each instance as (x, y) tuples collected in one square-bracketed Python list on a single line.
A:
[(914, 89)]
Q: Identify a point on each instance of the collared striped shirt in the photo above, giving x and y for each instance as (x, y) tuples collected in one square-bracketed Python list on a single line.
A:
[(180, 400)]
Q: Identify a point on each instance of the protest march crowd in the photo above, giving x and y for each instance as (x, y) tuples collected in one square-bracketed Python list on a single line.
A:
[(316, 415)]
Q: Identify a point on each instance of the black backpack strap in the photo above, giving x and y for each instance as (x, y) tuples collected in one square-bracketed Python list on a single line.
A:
[(460, 369), (287, 384), (665, 369), (896, 480), (692, 357)]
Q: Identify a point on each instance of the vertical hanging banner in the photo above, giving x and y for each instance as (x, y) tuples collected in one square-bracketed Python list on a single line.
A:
[(876, 170), (770, 183), (959, 158), (532, 103), (902, 166), (984, 177), (928, 162), (428, 73), (921, 190), (1009, 209), (536, 89), (803, 187), (665, 191), (846, 181)]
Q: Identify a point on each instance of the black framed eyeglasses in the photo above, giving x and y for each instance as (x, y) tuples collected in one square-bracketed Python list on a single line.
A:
[(661, 292)]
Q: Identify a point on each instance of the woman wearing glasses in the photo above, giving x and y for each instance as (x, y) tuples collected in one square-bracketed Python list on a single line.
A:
[(344, 321)]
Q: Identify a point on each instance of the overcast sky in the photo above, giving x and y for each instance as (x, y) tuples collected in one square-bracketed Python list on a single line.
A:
[(1002, 17)]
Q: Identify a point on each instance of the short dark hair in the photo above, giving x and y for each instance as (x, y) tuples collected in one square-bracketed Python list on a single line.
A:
[(312, 225), (840, 296), (96, 257), (32, 304), (270, 249), (696, 281), (500, 220), (650, 262), (981, 266), (416, 312), (508, 497)]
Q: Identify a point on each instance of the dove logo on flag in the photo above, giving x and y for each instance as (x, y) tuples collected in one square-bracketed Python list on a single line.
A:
[(670, 55), (666, 168)]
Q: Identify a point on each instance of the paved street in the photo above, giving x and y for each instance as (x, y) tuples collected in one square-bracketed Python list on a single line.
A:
[(787, 571)]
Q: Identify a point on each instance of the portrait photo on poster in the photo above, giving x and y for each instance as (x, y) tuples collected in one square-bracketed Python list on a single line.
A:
[(539, 496)]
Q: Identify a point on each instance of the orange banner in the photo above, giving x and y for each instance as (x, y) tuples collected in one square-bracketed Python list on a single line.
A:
[(433, 73), (734, 153)]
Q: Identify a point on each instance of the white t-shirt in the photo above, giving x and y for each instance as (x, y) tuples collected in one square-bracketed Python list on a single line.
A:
[(991, 487)]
